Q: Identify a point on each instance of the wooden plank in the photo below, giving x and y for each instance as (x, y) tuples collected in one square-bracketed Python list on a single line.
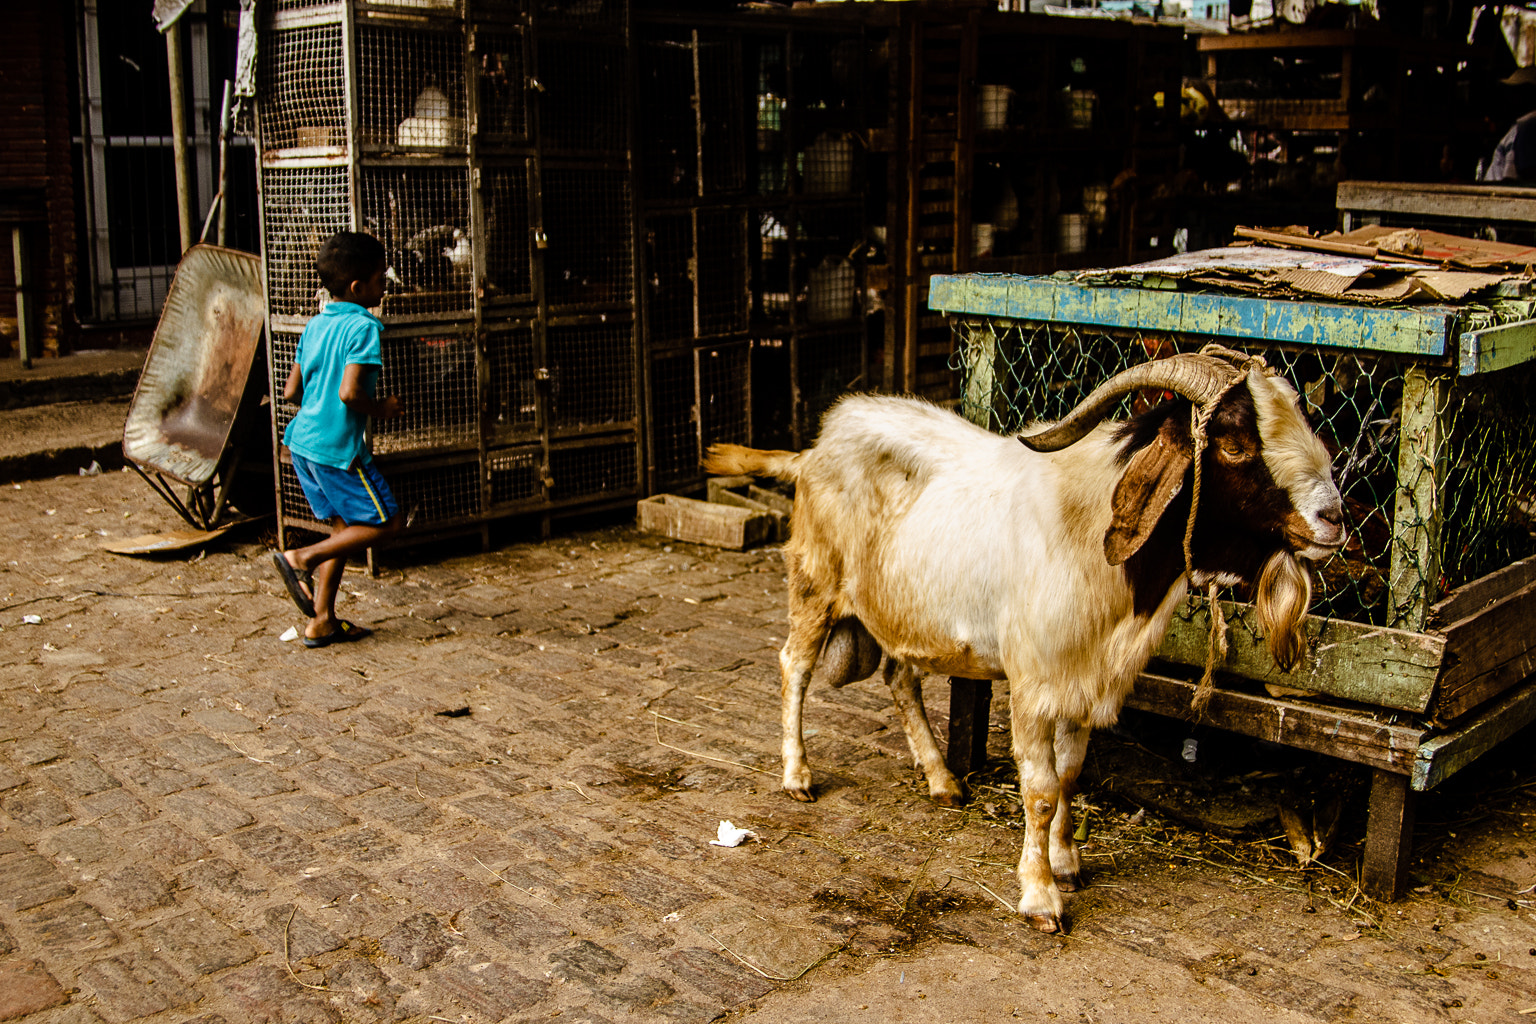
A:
[(1420, 330), (1421, 461), (1487, 653), (1443, 755), (1390, 668), (1388, 836), (1497, 348), (970, 708), (1286, 241), (1462, 202), (1346, 734), (1473, 597)]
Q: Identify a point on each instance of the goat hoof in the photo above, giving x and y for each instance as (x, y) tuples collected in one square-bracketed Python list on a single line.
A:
[(1051, 924), (1068, 883), (805, 796), (947, 798)]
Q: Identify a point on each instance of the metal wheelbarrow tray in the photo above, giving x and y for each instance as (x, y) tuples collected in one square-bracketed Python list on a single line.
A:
[(194, 379)]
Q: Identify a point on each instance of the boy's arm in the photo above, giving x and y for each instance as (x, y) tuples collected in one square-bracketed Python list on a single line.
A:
[(293, 390), (356, 396)]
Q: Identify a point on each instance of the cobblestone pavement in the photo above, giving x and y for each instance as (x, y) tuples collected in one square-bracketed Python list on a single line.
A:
[(499, 809)]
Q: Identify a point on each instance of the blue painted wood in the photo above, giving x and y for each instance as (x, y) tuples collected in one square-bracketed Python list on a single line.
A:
[(1422, 330)]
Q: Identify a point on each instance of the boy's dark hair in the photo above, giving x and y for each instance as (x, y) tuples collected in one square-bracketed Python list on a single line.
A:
[(348, 256)]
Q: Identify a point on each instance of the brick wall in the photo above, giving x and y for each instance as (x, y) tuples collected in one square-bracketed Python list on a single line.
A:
[(35, 154)]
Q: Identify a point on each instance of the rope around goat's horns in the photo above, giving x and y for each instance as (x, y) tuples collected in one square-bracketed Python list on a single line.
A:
[(1200, 418)]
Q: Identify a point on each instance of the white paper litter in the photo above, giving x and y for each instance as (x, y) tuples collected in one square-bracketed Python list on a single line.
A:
[(730, 835), (292, 634), (32, 620)]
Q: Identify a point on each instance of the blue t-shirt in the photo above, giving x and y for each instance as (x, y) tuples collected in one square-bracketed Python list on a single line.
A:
[(326, 430)]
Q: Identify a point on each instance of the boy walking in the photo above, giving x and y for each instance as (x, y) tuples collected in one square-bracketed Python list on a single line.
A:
[(332, 381)]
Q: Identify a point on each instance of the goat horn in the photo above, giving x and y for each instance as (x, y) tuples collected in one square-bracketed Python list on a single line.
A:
[(1199, 378)]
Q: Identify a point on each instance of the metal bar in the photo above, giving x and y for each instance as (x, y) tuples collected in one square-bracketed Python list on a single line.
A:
[(26, 325), (225, 114)]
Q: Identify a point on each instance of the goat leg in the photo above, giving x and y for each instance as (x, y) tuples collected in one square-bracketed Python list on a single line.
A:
[(1071, 747), (807, 632), (1034, 749), (906, 685)]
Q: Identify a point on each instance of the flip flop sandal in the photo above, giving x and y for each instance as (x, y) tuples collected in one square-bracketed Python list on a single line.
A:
[(344, 633), (291, 579)]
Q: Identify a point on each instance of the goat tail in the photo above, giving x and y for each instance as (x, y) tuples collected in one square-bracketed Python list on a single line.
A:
[(1285, 590), (738, 460)]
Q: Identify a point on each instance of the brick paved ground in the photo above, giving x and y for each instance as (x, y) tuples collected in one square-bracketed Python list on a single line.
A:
[(200, 823)]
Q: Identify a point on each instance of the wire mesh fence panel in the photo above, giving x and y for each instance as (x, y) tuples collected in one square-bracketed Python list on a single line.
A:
[(1486, 459), (303, 207), (722, 162), (516, 476), (508, 234), (512, 406), (667, 158), (724, 393), (501, 77), (285, 349), (827, 366), (411, 89), (435, 378), (584, 106), (398, 7), (770, 160), (302, 90), (591, 376), (421, 214), (586, 218), (291, 501), (669, 269), (301, 5), (592, 472), (434, 495), (827, 239), (674, 435), (497, 9), (722, 272), (770, 264), (603, 14)]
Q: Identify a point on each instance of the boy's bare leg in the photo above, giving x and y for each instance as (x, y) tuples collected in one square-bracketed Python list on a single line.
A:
[(327, 559)]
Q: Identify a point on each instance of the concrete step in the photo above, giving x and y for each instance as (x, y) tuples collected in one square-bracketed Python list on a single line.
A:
[(81, 377), (61, 438)]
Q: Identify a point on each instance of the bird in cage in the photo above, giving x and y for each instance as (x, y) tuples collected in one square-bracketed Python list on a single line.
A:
[(436, 259)]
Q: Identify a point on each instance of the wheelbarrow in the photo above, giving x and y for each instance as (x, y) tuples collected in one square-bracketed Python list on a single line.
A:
[(180, 434)]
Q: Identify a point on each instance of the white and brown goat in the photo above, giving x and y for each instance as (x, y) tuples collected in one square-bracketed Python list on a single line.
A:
[(1055, 564)]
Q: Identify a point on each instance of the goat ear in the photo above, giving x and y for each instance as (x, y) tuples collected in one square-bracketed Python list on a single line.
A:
[(1151, 480)]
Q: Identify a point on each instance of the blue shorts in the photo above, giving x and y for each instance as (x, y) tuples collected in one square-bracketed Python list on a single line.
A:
[(359, 496)]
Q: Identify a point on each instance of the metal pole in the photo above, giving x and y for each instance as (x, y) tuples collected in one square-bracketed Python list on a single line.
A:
[(179, 134), (223, 200)]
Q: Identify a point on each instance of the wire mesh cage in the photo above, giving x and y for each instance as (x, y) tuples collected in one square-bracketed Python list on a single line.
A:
[(1354, 399), (721, 259), (827, 241), (438, 494), (673, 429), (411, 88), (592, 376), (501, 80), (667, 159), (669, 265), (435, 377), (724, 375), (516, 476), (585, 103), (421, 214), (303, 92), (512, 407), (302, 207), (593, 472), (722, 161), (283, 349), (827, 366), (772, 286), (597, 14), (508, 235), (587, 220)]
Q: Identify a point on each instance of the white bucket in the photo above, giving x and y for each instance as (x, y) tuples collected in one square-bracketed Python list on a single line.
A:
[(828, 165), (1071, 232), (831, 291)]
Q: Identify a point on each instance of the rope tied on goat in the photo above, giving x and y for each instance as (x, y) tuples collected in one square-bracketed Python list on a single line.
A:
[(1200, 418)]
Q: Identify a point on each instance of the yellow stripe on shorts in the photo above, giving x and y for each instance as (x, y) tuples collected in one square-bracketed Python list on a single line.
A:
[(369, 488)]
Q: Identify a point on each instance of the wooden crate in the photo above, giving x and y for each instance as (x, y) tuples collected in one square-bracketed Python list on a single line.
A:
[(703, 522)]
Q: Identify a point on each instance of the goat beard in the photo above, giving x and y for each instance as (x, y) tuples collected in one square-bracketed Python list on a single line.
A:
[(1284, 592)]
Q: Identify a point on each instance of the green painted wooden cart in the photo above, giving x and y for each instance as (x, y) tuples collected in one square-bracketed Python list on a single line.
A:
[(1421, 645)]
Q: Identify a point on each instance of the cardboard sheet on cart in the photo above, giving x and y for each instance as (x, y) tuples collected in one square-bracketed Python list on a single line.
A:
[(1453, 250), (1296, 272)]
